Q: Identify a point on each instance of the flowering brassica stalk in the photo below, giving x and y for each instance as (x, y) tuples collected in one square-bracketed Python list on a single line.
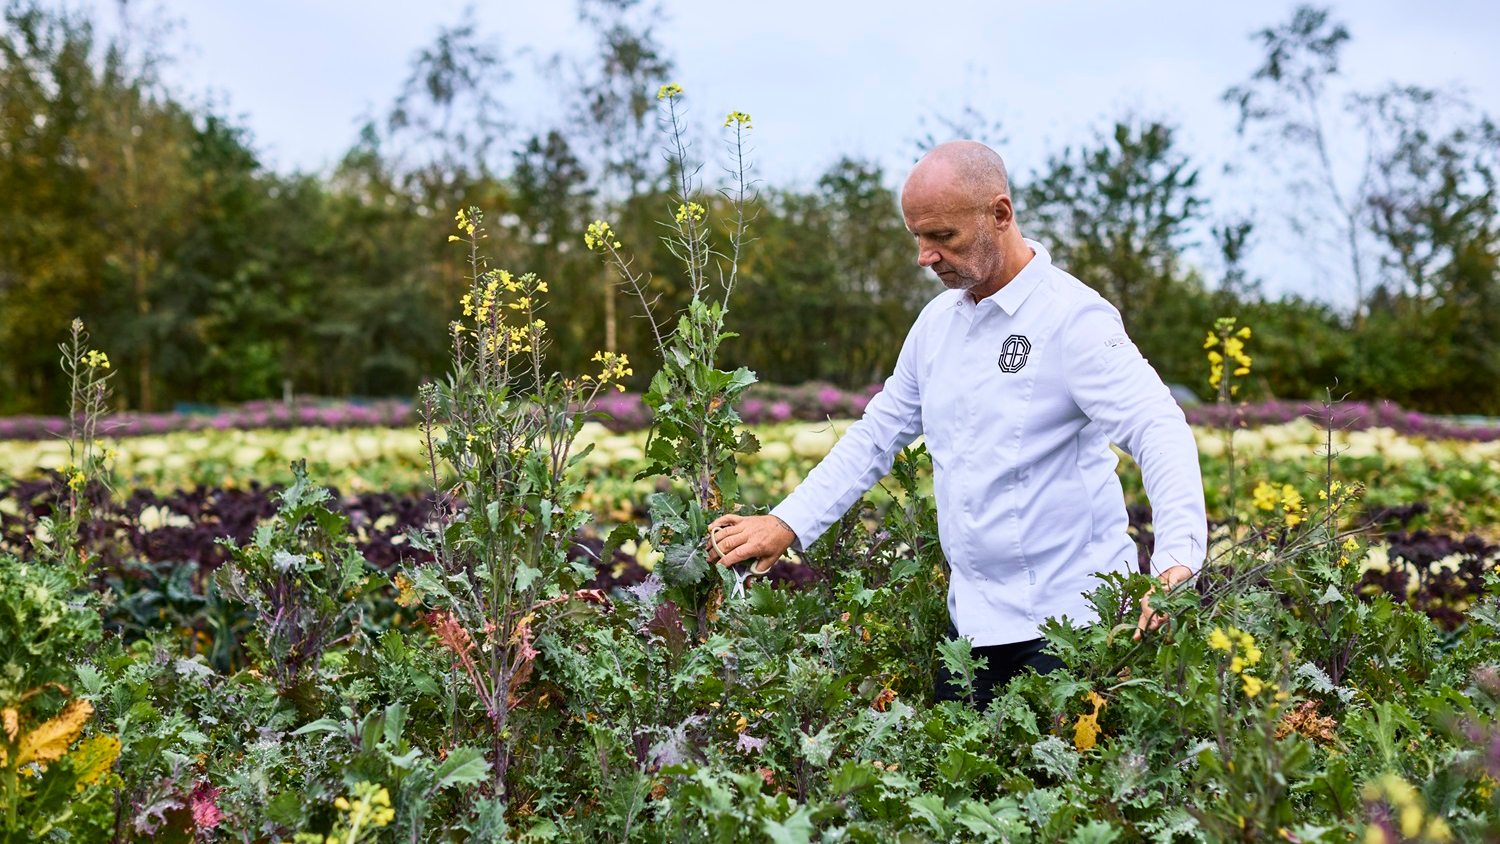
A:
[(695, 434)]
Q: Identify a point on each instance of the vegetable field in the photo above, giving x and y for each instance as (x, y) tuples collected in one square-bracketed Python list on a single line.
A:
[(502, 625)]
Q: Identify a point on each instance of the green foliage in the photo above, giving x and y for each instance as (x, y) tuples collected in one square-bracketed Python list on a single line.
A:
[(299, 577), (49, 779)]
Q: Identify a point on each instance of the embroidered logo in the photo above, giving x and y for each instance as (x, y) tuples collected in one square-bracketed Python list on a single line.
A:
[(1014, 353)]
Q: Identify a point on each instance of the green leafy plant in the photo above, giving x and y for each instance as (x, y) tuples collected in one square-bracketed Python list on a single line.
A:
[(300, 577)]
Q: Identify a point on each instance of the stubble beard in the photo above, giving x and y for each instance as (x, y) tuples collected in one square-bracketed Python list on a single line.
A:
[(988, 261)]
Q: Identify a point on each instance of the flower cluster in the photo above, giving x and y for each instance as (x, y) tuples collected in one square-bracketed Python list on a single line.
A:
[(669, 92), (481, 304), (468, 221), (1233, 342), (1243, 653), (600, 235), (1405, 814), (485, 305), (691, 211), (1268, 497), (615, 366), (738, 118), (96, 359), (76, 479), (1349, 546), (368, 810)]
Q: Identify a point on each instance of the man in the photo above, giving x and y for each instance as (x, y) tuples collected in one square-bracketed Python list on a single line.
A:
[(1019, 376)]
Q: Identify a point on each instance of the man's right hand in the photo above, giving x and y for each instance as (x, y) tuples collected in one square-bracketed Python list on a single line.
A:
[(759, 540)]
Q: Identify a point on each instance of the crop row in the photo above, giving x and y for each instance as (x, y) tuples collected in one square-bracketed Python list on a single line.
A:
[(1458, 480), (764, 404)]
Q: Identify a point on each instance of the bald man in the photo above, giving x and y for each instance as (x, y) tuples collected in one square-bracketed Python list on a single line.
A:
[(1019, 376)]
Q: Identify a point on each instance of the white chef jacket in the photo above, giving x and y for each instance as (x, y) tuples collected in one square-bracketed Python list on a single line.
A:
[(1019, 396)]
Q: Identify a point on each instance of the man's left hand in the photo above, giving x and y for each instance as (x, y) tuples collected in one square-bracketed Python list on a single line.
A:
[(1152, 620)]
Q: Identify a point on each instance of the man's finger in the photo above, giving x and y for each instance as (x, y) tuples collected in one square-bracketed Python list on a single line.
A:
[(1145, 619), (725, 521), (723, 542), (737, 555)]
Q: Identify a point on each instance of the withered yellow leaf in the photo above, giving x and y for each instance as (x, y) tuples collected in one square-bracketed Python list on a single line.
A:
[(93, 758), (50, 740), (1086, 731)]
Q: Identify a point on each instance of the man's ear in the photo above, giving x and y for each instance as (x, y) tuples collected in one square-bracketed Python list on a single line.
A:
[(1002, 212)]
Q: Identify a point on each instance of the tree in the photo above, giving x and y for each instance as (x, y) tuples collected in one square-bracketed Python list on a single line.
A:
[(98, 178), (551, 201), (614, 121), (1284, 107), (1434, 211), (1116, 214), (831, 284)]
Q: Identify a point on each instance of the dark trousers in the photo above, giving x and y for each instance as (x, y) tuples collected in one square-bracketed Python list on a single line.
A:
[(1002, 662)]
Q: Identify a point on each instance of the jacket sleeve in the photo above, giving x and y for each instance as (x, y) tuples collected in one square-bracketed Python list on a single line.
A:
[(863, 455), (1121, 392)]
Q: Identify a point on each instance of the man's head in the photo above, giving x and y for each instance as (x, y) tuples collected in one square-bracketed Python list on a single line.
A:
[(956, 203)]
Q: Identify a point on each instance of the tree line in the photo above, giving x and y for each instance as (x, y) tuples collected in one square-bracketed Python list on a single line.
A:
[(210, 277)]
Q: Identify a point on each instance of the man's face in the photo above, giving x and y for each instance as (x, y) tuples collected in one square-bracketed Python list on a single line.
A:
[(955, 239)]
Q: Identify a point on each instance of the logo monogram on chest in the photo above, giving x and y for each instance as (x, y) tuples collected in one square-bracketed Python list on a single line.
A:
[(1014, 352)]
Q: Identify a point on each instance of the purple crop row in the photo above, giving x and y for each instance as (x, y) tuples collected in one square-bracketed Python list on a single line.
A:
[(763, 403), (248, 416), (622, 412)]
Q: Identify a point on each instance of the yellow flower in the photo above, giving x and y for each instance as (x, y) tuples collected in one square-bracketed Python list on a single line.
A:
[(1265, 496), (1211, 341), (1215, 357), (599, 234), (1237, 664), (690, 211), (738, 117), (1217, 640), (669, 92), (1350, 545), (1244, 370), (1253, 685), (468, 220), (1291, 500), (96, 359)]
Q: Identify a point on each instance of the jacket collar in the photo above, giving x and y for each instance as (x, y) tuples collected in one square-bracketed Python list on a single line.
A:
[(1015, 291)]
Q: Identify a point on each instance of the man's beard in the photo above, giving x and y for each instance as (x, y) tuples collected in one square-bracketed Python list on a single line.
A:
[(993, 259)]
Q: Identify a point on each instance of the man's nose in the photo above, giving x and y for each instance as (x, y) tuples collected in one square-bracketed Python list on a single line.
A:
[(927, 257)]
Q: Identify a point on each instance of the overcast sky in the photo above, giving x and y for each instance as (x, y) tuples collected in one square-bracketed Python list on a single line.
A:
[(826, 79)]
